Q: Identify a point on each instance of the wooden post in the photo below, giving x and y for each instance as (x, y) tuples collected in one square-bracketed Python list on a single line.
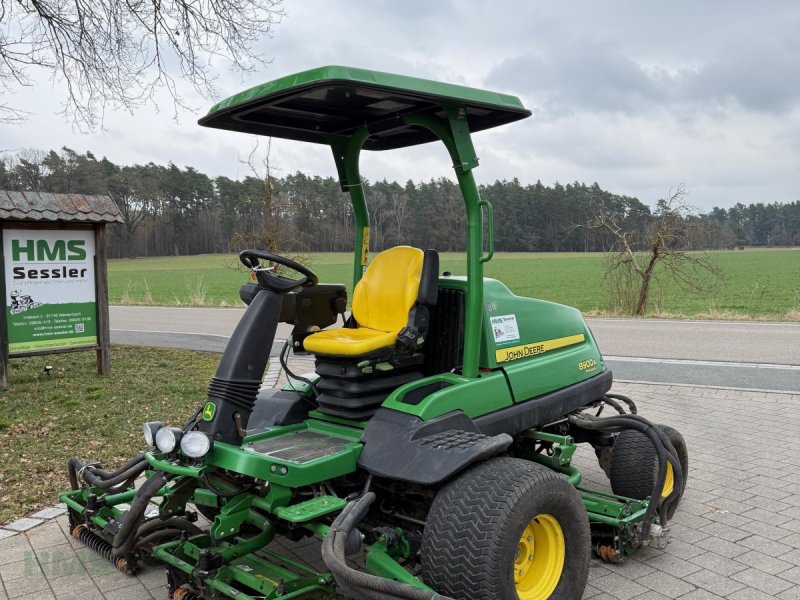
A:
[(101, 293), (5, 380)]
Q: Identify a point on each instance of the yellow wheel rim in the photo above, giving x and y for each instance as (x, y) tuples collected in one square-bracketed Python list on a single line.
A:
[(669, 481), (540, 558)]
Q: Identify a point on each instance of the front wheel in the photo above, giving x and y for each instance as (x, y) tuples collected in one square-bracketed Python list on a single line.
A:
[(634, 466), (507, 529)]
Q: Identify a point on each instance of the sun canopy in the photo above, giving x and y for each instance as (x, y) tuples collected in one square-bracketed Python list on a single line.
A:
[(325, 103)]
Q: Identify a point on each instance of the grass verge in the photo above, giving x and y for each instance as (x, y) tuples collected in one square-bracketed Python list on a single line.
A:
[(45, 419)]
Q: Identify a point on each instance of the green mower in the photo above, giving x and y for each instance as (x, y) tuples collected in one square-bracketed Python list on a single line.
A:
[(433, 444)]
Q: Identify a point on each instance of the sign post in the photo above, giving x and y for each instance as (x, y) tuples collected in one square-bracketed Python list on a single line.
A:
[(4, 378), (53, 277)]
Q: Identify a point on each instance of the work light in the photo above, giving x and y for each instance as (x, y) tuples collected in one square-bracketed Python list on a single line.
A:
[(195, 444), (168, 438), (150, 430)]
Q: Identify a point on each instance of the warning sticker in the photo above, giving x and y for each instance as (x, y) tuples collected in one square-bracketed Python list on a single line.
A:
[(505, 328)]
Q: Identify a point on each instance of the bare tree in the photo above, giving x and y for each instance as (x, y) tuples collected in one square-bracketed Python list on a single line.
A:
[(634, 256), (266, 226), (112, 53)]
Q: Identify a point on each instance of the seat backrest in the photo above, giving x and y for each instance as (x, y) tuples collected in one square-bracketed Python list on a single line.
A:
[(388, 289)]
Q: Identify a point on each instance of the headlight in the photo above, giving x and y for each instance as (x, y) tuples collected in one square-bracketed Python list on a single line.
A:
[(168, 438), (195, 444), (150, 430)]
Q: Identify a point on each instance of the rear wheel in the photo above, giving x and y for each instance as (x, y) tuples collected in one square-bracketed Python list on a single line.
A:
[(507, 529), (634, 465)]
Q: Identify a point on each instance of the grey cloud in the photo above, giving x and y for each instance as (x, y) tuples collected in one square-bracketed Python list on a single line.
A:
[(577, 76), (762, 77)]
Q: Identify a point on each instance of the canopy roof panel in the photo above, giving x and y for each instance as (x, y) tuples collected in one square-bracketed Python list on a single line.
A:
[(321, 104)]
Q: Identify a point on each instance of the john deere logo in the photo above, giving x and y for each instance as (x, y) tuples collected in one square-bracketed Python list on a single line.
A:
[(209, 410)]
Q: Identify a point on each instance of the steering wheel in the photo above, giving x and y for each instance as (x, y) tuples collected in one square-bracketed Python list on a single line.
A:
[(272, 281)]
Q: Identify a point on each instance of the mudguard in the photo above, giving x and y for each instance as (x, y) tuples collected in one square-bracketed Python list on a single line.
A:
[(404, 447)]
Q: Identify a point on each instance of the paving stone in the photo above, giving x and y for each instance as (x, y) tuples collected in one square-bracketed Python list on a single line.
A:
[(131, 592), (674, 565), (762, 581), (113, 581), (792, 575), (665, 584), (750, 594), (720, 546), (66, 567), (764, 562), (50, 513), (7, 533), (22, 524), (14, 552), (46, 535), (152, 578), (25, 585), (40, 595), (22, 568), (700, 594), (714, 582), (53, 553), (619, 586), (765, 545), (790, 594), (85, 592), (76, 584), (718, 564)]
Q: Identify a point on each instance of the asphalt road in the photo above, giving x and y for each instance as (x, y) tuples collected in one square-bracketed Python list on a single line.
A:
[(718, 353)]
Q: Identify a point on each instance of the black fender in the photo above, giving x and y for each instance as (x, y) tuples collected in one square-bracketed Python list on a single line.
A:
[(404, 447)]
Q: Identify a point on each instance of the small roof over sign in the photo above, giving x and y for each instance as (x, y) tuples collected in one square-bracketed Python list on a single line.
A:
[(40, 206)]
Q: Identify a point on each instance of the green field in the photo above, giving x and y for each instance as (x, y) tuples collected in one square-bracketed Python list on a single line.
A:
[(757, 283)]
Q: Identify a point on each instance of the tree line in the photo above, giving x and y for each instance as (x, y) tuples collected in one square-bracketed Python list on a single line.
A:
[(170, 210)]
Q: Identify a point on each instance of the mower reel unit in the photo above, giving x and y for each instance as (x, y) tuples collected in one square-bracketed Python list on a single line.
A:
[(439, 396)]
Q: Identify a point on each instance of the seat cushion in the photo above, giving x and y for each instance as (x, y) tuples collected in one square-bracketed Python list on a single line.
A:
[(388, 289), (349, 342)]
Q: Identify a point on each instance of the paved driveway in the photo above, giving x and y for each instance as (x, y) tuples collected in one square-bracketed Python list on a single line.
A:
[(736, 535)]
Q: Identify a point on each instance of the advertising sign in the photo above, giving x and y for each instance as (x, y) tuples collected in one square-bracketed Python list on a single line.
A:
[(50, 289)]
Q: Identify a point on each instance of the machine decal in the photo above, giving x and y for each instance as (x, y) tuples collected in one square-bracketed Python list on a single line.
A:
[(365, 247), (588, 365), (209, 410), (526, 350), (504, 328)]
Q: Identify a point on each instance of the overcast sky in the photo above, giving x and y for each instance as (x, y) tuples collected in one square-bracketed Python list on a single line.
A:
[(637, 96)]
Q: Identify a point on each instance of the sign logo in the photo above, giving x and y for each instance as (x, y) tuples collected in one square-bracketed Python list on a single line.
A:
[(209, 410), (50, 300)]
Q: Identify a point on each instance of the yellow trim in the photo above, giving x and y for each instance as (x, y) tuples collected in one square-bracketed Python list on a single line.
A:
[(539, 561), (526, 350), (365, 247), (54, 344), (669, 481)]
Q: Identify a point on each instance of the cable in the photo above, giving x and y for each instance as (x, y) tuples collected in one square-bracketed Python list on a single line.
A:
[(282, 359)]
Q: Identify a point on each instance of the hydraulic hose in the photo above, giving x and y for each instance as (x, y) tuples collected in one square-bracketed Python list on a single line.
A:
[(665, 453), (108, 474), (631, 404), (126, 536), (159, 536), (172, 523), (357, 583), (104, 479)]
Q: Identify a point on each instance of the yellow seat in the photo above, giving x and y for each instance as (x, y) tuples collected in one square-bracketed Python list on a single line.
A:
[(381, 304)]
